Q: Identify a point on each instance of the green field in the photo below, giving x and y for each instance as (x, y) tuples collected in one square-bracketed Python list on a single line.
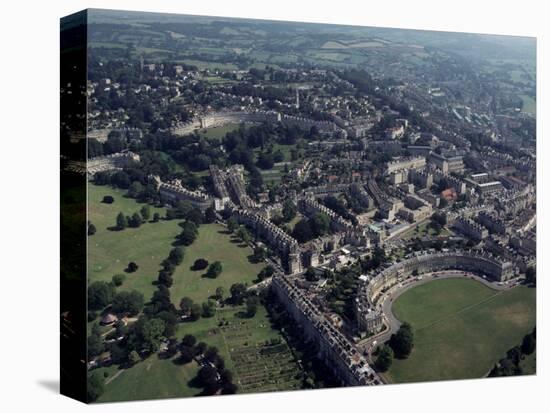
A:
[(111, 251), (529, 104), (461, 327), (213, 244), (153, 378), (219, 132)]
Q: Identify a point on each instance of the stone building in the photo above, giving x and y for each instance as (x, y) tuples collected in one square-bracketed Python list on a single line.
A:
[(471, 229), (115, 161), (275, 237), (345, 361), (173, 191), (366, 304)]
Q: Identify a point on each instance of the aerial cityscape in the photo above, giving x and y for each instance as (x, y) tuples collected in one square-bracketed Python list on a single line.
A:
[(277, 206)]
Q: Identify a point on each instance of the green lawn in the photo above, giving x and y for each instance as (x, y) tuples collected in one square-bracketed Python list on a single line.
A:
[(461, 327), (423, 230), (219, 132), (111, 251), (213, 244), (153, 378), (529, 104)]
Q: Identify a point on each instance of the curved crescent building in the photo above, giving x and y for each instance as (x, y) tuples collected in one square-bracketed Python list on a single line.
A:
[(369, 314)]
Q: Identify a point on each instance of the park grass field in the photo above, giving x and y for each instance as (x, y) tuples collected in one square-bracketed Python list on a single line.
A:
[(219, 132), (461, 328), (153, 378), (111, 251), (214, 243)]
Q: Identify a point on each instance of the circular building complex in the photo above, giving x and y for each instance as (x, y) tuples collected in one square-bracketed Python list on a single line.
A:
[(369, 315)]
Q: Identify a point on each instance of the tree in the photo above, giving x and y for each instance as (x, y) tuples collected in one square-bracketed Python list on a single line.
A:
[(252, 303), (188, 340), (243, 234), (302, 231), (189, 233), (208, 377), (121, 221), (311, 275), (210, 215), (165, 278), (402, 341), (211, 354), (176, 255), (385, 359), (95, 386), (134, 358), (135, 220), (208, 309), (259, 254), (238, 293), (266, 272), (214, 270), (531, 275), (95, 345), (199, 264), (232, 224), (200, 348), (136, 188), (289, 210), (129, 302), (146, 334), (529, 344), (220, 291), (118, 279), (170, 323), (132, 267), (145, 213), (91, 229), (108, 199), (320, 224), (100, 294), (186, 304), (186, 354), (156, 217)]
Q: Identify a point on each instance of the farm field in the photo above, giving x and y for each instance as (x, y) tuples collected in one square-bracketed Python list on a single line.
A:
[(214, 243), (111, 251), (461, 328)]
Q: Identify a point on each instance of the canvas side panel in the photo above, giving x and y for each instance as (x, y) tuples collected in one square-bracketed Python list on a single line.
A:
[(73, 74)]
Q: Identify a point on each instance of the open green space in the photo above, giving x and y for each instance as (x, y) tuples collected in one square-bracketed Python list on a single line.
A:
[(422, 230), (219, 132), (529, 104), (213, 243), (153, 378), (461, 328), (109, 252)]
